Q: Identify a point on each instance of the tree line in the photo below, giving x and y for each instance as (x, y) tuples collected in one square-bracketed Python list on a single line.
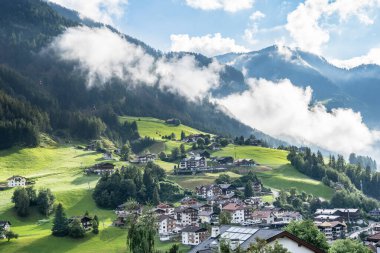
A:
[(348, 179), (26, 198), (145, 185)]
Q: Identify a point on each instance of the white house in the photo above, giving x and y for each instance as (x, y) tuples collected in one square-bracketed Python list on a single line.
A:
[(166, 225), (266, 217), (236, 211), (16, 181), (193, 235)]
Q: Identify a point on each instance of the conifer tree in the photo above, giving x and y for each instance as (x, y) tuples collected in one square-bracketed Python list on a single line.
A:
[(60, 223)]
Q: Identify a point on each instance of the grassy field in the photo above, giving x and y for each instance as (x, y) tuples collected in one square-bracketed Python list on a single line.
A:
[(156, 128), (264, 156), (61, 170), (280, 174)]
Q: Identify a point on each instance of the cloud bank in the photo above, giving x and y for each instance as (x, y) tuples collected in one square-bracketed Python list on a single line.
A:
[(210, 45), (103, 55), (310, 23), (373, 57), (283, 111), (278, 109), (226, 5), (99, 10)]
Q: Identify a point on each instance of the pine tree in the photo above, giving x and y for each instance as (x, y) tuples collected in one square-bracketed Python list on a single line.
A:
[(248, 190), (156, 196), (95, 225), (60, 223), (183, 135)]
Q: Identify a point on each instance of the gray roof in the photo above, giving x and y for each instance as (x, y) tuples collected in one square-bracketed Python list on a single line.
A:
[(193, 229), (247, 235)]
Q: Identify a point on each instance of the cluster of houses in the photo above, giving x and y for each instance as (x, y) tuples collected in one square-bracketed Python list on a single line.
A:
[(333, 222), (198, 163), (189, 221)]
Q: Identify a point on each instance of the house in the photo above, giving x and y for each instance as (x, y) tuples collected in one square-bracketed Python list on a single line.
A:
[(257, 186), (287, 217), (101, 169), (174, 122), (187, 201), (243, 237), (205, 191), (4, 226), (85, 220), (262, 217), (166, 225), (323, 218), (193, 163), (203, 207), (146, 158), (375, 213), (254, 201), (227, 160), (214, 146), (167, 208), (15, 181), (244, 162), (194, 138), (186, 216), (227, 189), (107, 156), (192, 235), (236, 211), (205, 216), (205, 154), (347, 214), (333, 230)]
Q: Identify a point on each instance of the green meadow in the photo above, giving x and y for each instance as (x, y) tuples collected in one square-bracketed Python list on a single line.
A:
[(61, 170)]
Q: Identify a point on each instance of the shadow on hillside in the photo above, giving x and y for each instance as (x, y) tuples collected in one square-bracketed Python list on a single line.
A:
[(87, 154), (48, 244), (84, 180)]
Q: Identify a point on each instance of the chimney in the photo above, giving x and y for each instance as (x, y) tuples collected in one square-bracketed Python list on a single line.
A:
[(215, 232)]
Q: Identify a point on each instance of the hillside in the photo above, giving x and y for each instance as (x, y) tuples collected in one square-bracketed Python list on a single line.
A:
[(56, 88), (348, 88), (274, 169), (59, 168)]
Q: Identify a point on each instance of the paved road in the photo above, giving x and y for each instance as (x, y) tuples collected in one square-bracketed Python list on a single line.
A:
[(355, 234)]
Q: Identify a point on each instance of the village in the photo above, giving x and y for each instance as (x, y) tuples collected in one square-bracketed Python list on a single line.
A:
[(218, 211)]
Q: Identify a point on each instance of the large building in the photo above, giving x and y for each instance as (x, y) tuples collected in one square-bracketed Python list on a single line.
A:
[(16, 181), (193, 235), (333, 230), (243, 237), (193, 163)]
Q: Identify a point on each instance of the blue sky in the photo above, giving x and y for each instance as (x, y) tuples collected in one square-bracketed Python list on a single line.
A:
[(336, 29)]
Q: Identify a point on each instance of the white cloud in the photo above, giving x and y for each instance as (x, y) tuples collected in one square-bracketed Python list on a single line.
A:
[(227, 5), (308, 23), (282, 110), (103, 55), (209, 44), (257, 15), (99, 10), (373, 57), (253, 27)]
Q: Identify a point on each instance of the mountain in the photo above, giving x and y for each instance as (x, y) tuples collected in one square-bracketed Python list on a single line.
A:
[(55, 88), (356, 88)]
